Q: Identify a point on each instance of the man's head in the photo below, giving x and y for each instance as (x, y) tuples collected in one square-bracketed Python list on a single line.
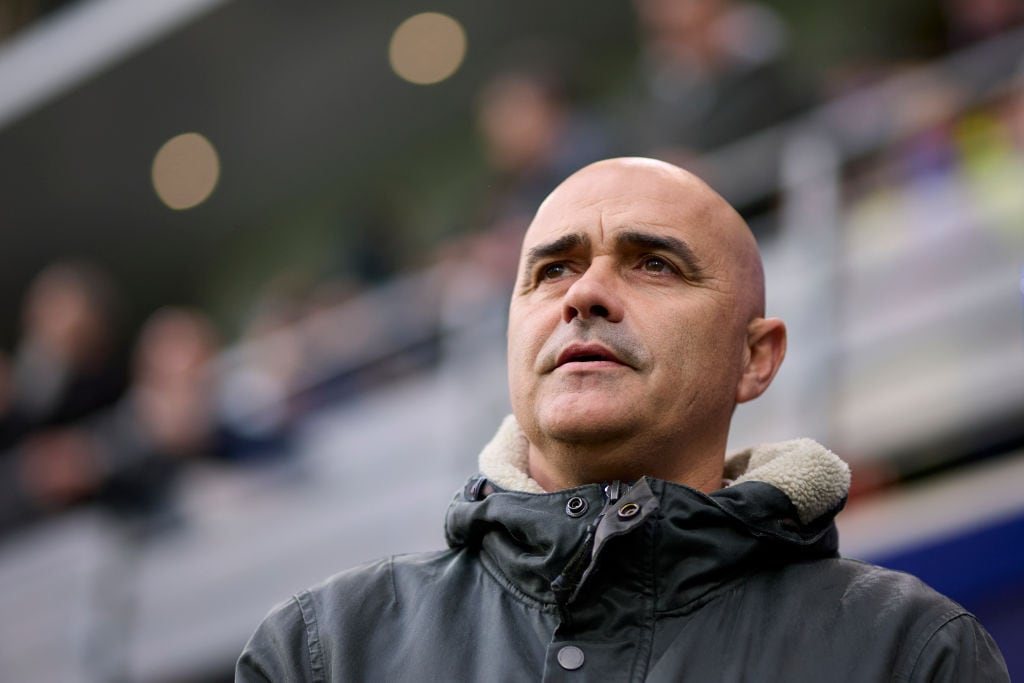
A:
[(636, 326)]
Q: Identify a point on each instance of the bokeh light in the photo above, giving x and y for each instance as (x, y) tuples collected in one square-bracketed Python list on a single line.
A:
[(427, 48), (185, 171)]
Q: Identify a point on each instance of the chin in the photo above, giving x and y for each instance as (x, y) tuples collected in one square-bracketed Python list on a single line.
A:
[(585, 424)]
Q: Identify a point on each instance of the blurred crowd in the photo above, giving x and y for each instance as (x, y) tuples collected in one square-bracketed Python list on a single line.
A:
[(77, 422), (80, 423)]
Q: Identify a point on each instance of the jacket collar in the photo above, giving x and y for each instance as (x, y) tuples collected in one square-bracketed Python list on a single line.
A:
[(780, 507), (812, 477)]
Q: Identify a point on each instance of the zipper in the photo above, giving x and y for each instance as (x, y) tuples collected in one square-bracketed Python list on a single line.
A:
[(566, 583)]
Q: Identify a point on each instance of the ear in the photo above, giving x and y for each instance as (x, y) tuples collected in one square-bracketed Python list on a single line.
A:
[(766, 347)]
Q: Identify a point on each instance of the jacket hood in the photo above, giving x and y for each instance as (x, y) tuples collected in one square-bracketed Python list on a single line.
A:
[(780, 507)]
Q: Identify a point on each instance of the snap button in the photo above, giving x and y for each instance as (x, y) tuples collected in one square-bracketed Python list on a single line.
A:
[(576, 507), (570, 658), (628, 510)]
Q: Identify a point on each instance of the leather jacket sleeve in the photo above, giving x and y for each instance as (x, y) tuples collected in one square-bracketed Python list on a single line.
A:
[(279, 650), (959, 650)]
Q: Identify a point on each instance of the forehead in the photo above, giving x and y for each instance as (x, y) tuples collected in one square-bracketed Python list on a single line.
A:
[(601, 201)]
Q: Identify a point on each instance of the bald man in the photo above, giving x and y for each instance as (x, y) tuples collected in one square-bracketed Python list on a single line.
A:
[(607, 536), (636, 326)]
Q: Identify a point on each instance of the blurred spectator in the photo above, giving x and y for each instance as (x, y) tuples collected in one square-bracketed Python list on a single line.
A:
[(168, 413), (65, 364), (533, 135), (711, 72), (172, 380), (126, 454)]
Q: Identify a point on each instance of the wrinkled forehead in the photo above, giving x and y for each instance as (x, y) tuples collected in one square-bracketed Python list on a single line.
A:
[(605, 198), (648, 196)]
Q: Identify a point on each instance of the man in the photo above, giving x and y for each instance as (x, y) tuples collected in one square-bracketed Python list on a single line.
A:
[(608, 538)]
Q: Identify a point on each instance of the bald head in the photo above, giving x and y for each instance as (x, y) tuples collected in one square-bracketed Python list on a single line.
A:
[(672, 196), (636, 326)]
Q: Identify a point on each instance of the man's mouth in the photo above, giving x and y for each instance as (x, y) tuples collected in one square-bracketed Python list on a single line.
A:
[(586, 353)]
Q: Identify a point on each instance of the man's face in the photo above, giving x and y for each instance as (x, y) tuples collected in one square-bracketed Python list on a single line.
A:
[(629, 317)]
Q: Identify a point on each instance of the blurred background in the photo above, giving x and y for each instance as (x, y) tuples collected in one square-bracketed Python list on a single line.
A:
[(256, 260)]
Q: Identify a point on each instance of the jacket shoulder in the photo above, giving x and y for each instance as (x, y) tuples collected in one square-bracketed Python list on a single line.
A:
[(936, 638), (863, 582), (299, 638), (377, 586)]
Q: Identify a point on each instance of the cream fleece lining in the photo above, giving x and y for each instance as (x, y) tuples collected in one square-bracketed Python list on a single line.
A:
[(812, 476)]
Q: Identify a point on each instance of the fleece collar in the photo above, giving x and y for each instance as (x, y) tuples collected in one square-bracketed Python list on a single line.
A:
[(814, 478)]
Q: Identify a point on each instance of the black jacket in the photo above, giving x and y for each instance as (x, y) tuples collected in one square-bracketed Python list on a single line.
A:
[(649, 582)]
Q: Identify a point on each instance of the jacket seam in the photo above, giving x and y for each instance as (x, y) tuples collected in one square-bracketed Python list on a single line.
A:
[(711, 594), (929, 633), (391, 578), (506, 584), (314, 648)]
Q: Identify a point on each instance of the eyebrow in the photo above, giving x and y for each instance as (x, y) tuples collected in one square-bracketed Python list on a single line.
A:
[(558, 247), (678, 248), (631, 238)]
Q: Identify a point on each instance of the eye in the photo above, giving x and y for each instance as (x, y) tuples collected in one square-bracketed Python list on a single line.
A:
[(656, 264), (553, 271)]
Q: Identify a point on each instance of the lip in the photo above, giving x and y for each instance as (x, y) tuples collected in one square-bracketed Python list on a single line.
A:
[(587, 355)]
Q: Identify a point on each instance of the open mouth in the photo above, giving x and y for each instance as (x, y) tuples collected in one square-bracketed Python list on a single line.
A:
[(586, 353), (587, 359)]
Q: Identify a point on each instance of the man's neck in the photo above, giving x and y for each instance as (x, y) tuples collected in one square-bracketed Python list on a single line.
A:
[(563, 466)]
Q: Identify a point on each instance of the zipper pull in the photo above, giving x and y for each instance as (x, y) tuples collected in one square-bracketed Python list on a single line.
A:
[(614, 491)]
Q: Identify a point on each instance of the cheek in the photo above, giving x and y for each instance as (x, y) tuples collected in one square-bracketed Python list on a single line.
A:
[(527, 332), (519, 341), (698, 343), (523, 346)]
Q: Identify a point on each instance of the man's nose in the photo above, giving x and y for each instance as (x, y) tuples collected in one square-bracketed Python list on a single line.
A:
[(593, 295)]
